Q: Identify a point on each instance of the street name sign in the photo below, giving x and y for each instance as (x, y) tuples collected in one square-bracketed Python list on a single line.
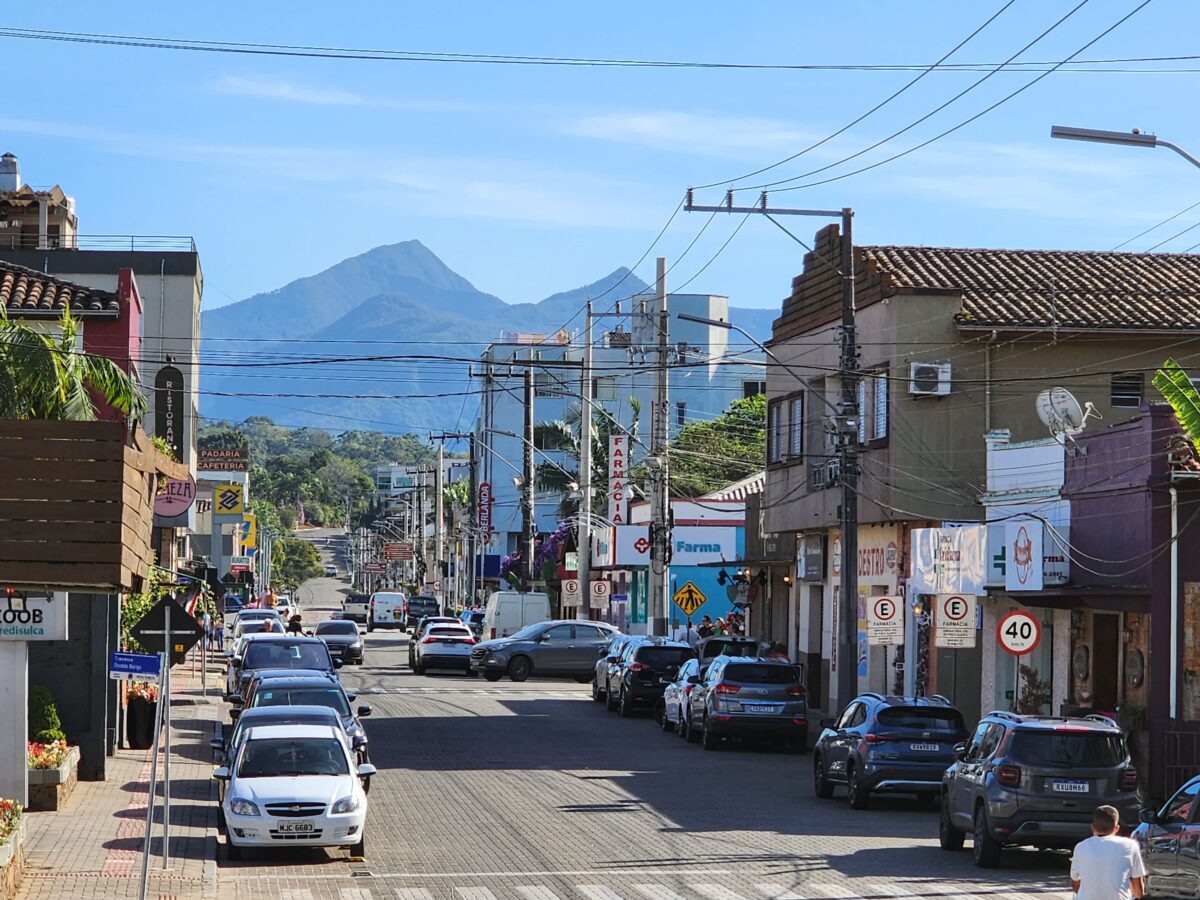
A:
[(374, 568), (151, 630), (689, 598), (885, 620), (954, 621), (397, 550), (134, 666), (1018, 632)]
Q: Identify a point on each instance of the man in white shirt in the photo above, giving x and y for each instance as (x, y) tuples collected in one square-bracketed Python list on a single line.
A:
[(1107, 866)]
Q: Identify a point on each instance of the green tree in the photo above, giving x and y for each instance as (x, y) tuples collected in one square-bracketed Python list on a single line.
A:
[(708, 455), (1177, 389), (295, 561), (44, 376), (566, 435)]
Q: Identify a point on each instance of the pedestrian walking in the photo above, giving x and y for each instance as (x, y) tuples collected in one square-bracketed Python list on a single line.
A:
[(219, 633), (706, 628), (1107, 866)]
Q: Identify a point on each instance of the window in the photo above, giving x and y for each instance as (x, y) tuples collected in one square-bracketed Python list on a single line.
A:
[(681, 414), (1126, 390), (753, 388), (796, 427), (560, 633), (1068, 749), (855, 714), (548, 384), (604, 388), (774, 431), (872, 407), (1179, 808)]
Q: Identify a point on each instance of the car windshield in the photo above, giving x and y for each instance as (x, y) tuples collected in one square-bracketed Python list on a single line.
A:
[(922, 718), (269, 758), (446, 629), (1067, 749), (475, 618), (283, 655), (332, 697), (337, 628), (761, 673), (247, 722), (260, 626), (662, 657), (720, 647), (424, 605)]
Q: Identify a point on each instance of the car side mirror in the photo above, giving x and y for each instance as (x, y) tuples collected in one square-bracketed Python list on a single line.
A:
[(221, 774), (693, 679), (827, 723), (543, 637), (364, 710), (1149, 816), (237, 662), (337, 663), (351, 696), (960, 750), (366, 770), (308, 633), (611, 659), (217, 744), (234, 713)]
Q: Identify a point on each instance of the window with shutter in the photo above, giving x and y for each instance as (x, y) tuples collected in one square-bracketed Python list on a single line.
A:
[(879, 423), (796, 427), (774, 430), (863, 437)]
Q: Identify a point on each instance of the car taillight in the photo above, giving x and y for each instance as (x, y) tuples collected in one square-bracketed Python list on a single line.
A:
[(1009, 776), (796, 690), (873, 738), (638, 667), (429, 640), (724, 688), (688, 690), (1128, 780)]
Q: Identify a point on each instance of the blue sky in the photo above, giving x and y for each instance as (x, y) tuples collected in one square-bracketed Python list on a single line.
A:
[(533, 180)]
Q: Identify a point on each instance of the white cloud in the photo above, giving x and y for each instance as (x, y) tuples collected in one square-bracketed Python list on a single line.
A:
[(680, 132), (273, 88)]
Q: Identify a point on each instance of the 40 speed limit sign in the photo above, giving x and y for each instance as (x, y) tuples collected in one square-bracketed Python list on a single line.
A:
[(1018, 632)]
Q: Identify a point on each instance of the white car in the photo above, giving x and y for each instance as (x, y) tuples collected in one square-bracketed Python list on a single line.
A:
[(261, 625), (672, 712), (294, 785), (443, 645)]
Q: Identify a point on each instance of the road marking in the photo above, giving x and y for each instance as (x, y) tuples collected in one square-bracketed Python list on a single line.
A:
[(295, 894), (778, 892), (413, 894), (536, 892), (348, 893), (597, 892), (834, 891), (475, 893), (656, 892), (715, 891)]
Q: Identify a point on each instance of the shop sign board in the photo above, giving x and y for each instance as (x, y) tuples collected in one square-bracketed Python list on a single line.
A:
[(1023, 548), (691, 545), (228, 501), (885, 620), (954, 621), (810, 557), (618, 486), (33, 617), (216, 459), (948, 560), (175, 497)]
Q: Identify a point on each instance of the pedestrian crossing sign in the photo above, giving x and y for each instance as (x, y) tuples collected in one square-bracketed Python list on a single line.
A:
[(689, 598)]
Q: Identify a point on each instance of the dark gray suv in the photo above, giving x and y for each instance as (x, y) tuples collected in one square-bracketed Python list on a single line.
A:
[(1034, 781), (565, 648)]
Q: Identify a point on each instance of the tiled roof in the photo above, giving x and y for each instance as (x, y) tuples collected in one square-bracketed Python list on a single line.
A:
[(1050, 288), (27, 291)]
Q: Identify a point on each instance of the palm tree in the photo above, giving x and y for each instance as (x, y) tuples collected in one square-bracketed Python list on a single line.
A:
[(566, 435), (43, 375)]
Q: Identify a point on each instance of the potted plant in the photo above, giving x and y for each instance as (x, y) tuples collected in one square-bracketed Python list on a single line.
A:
[(53, 772), (12, 836), (141, 707)]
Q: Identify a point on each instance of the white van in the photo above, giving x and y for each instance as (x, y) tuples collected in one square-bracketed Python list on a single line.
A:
[(510, 611), (386, 611)]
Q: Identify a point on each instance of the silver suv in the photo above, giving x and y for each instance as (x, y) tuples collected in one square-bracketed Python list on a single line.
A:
[(1034, 781)]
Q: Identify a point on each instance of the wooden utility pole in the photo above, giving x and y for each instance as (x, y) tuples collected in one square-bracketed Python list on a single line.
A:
[(659, 596)]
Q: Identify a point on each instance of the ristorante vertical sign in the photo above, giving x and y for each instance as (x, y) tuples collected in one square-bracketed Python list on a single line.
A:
[(168, 408)]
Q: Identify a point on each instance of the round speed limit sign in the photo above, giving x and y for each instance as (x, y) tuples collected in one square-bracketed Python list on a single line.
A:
[(1018, 632)]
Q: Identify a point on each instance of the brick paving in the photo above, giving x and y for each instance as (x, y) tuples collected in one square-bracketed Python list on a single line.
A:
[(93, 847)]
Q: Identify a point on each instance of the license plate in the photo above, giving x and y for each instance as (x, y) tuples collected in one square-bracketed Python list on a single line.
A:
[(924, 748), (759, 708), (1070, 787), (295, 827)]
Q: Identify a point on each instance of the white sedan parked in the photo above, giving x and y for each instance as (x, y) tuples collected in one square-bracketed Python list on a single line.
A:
[(294, 785)]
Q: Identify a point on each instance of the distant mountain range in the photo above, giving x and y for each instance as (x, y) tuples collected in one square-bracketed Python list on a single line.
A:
[(394, 323)]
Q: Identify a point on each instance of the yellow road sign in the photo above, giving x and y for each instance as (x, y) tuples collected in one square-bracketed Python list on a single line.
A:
[(689, 598), (227, 500)]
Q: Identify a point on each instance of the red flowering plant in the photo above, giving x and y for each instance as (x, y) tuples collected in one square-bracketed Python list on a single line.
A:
[(143, 690), (47, 756), (10, 818)]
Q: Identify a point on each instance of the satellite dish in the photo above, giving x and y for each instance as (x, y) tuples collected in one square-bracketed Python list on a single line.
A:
[(1061, 413)]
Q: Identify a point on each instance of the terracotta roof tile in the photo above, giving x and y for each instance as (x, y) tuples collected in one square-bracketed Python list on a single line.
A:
[(1053, 288), (25, 290)]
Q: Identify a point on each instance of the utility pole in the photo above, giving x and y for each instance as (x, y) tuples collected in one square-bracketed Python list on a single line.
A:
[(659, 596), (420, 554), (584, 518), (528, 522), (439, 526), (845, 424)]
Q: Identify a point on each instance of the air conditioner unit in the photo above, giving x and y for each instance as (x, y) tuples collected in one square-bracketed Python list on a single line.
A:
[(929, 379)]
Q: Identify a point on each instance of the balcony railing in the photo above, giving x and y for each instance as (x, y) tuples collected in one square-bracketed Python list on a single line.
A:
[(134, 242)]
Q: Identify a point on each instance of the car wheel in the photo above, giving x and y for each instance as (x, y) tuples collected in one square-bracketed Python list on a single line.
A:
[(370, 626), (220, 821), (418, 669), (492, 676), (519, 668), (660, 716), (708, 738), (949, 837), (471, 673), (597, 695), (610, 702), (359, 849), (822, 787), (856, 792), (366, 783), (685, 728), (986, 848), (625, 706), (233, 851)]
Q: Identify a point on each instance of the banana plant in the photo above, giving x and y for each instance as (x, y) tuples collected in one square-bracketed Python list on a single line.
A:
[(1177, 389)]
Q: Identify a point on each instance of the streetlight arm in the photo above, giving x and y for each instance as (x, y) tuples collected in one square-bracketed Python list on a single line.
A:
[(1125, 138), (1193, 160)]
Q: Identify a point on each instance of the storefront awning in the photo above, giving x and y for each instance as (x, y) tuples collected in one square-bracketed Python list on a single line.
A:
[(1109, 599)]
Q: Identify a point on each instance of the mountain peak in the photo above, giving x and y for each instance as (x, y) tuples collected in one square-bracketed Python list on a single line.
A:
[(410, 259)]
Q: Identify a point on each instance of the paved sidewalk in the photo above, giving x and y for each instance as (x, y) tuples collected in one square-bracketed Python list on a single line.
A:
[(92, 849)]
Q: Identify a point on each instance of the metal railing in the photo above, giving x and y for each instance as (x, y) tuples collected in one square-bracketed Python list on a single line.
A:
[(134, 242)]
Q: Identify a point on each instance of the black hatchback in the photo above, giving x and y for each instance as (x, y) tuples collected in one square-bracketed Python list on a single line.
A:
[(642, 672), (887, 745)]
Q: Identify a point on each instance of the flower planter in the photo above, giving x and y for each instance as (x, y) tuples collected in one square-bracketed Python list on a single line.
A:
[(12, 862), (139, 722), (50, 788)]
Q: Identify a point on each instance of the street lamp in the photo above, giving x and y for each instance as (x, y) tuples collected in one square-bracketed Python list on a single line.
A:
[(1133, 138)]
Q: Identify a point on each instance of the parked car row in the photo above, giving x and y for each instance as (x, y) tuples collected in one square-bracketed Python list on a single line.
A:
[(294, 768)]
